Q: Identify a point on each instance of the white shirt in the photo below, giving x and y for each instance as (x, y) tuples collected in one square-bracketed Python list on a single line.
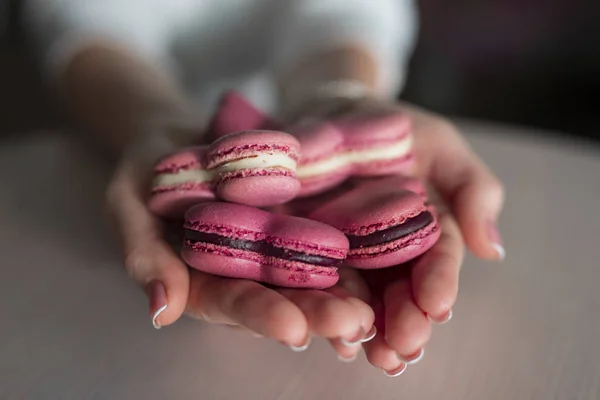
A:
[(213, 45)]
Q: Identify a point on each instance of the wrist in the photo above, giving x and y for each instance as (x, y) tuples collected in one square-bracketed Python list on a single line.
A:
[(339, 76), (328, 96)]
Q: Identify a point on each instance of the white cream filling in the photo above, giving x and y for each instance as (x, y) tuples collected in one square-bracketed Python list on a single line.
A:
[(206, 175), (338, 161)]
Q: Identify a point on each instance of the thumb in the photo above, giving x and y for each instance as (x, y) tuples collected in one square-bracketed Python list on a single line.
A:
[(148, 258), (164, 277)]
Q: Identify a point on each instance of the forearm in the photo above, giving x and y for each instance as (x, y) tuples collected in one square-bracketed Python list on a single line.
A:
[(115, 96)]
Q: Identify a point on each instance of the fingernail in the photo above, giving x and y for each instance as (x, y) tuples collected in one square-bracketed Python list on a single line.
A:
[(370, 335), (496, 239), (395, 372), (347, 360), (298, 349), (158, 301), (442, 320), (413, 359), (361, 337)]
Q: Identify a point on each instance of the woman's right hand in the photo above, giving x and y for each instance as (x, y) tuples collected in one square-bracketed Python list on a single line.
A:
[(288, 316)]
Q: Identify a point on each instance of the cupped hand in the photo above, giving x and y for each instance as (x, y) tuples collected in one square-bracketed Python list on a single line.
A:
[(468, 199), (289, 316)]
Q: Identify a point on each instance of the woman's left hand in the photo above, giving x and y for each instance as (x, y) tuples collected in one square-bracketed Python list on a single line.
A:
[(408, 298)]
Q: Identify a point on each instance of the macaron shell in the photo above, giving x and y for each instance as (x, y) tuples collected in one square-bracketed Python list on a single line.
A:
[(403, 165), (173, 204), (318, 141), (411, 247), (235, 216), (315, 237), (249, 143), (303, 206), (298, 233), (259, 191), (366, 131), (190, 157), (369, 208), (322, 183), (247, 269)]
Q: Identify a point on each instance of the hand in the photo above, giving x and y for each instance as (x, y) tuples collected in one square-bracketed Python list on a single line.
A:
[(286, 315), (468, 199)]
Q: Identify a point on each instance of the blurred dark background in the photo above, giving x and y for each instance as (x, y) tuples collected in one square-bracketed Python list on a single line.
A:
[(530, 62)]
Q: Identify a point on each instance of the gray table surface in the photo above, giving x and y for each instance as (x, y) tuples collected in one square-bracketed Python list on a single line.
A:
[(73, 327)]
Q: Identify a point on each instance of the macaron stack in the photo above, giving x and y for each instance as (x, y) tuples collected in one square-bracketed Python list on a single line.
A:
[(289, 209)]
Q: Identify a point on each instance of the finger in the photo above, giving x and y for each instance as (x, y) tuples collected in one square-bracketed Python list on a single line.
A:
[(248, 304), (475, 195), (476, 198), (382, 356), (407, 329), (327, 315), (354, 290), (240, 328), (435, 275), (348, 348), (148, 259)]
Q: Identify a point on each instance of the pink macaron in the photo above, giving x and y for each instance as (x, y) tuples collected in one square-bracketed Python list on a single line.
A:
[(239, 241), (335, 150), (374, 144), (383, 142), (386, 223), (250, 167)]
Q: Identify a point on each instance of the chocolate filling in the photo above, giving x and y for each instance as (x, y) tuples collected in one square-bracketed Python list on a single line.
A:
[(261, 247), (409, 226)]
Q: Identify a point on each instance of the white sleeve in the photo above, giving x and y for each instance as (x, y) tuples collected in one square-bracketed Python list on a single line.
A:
[(387, 27), (60, 27)]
